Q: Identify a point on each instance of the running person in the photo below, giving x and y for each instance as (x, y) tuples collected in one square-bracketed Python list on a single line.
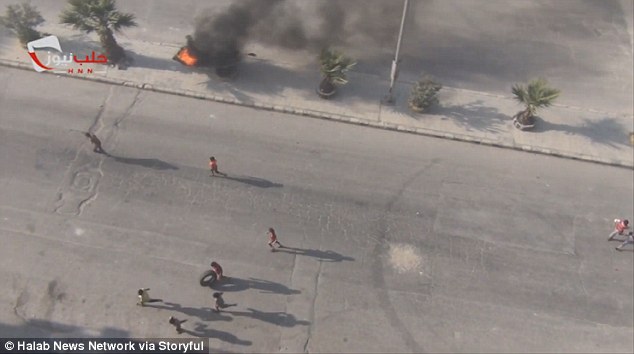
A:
[(273, 239), (95, 142), (219, 302), (619, 228), (213, 166), (144, 297)]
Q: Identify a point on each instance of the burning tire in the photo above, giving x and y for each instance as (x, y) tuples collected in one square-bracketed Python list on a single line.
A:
[(225, 62), (186, 57)]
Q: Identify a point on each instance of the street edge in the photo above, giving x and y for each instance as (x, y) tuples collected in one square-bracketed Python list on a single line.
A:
[(337, 117)]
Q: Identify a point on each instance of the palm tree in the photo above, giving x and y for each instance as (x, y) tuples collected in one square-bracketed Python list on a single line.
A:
[(333, 66), (100, 16), (535, 95), (22, 19)]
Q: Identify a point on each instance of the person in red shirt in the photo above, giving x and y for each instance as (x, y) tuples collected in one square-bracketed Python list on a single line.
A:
[(213, 166), (218, 269), (273, 239), (619, 228)]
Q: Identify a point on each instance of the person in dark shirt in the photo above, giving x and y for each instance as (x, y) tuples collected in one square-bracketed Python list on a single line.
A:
[(95, 142), (220, 302)]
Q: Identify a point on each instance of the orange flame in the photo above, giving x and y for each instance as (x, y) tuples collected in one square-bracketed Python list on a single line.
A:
[(186, 57)]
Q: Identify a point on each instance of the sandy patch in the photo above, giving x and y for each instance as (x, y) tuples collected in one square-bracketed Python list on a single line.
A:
[(404, 258)]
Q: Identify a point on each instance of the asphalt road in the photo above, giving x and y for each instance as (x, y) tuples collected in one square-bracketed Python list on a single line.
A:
[(396, 242)]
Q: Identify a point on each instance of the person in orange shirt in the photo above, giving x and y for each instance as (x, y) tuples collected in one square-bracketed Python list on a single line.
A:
[(273, 239), (213, 166), (619, 228)]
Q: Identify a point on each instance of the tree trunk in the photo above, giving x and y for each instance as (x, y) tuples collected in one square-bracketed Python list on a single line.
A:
[(525, 117), (524, 120), (114, 52)]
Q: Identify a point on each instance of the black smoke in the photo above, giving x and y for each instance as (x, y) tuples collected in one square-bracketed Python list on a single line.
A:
[(294, 24)]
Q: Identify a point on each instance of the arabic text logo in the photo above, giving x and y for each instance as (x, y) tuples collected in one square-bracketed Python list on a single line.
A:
[(60, 61), (46, 42)]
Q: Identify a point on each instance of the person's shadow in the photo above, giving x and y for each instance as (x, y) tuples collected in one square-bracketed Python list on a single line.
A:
[(282, 319), (621, 240), (265, 286), (322, 256), (149, 163), (254, 181), (203, 331), (203, 313)]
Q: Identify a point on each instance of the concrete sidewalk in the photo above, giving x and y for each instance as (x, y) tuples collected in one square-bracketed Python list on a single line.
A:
[(478, 117)]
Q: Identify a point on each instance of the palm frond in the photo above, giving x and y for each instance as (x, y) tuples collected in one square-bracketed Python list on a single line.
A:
[(334, 65), (120, 20), (520, 93), (536, 94), (78, 21), (96, 15)]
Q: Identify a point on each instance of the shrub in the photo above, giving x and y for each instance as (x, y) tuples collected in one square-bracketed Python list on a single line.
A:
[(22, 19), (424, 94)]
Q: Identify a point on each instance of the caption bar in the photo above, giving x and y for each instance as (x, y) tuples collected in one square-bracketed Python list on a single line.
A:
[(106, 345)]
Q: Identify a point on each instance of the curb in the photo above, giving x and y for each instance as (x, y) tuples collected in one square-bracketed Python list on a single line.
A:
[(339, 118)]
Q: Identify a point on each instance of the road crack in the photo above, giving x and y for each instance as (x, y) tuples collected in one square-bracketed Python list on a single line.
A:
[(380, 248), (128, 110), (311, 316)]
